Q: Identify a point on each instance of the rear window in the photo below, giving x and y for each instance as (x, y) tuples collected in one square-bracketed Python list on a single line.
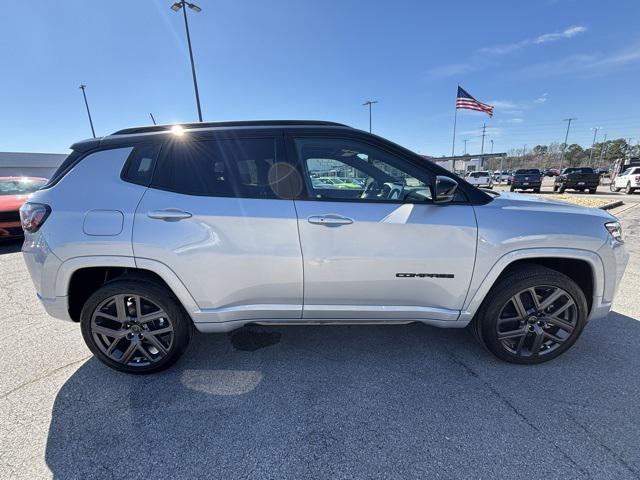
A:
[(20, 186), (528, 171), (479, 174), (218, 168), (579, 170), (139, 166)]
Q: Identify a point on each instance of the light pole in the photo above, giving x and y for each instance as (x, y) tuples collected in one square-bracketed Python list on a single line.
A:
[(593, 144), (182, 4), (369, 103), (566, 137), (602, 147), (86, 104)]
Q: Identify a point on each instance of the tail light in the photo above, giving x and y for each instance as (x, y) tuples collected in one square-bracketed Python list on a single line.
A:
[(637, 178), (33, 216)]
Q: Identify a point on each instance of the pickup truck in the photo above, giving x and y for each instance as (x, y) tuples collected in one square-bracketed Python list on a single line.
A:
[(577, 178), (482, 178), (629, 180), (526, 179)]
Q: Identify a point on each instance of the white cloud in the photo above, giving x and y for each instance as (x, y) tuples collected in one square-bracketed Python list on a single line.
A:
[(542, 98), (503, 104), (481, 59), (592, 63), (566, 33)]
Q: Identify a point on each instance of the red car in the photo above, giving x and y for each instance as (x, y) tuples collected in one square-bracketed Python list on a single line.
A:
[(14, 191)]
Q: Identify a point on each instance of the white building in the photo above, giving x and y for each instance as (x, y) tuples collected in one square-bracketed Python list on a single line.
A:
[(29, 164)]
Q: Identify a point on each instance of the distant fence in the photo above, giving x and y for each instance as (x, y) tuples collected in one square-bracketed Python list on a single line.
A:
[(29, 164)]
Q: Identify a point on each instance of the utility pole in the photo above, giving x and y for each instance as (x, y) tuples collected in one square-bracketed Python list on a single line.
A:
[(86, 104), (152, 119), (369, 103), (595, 132), (484, 130), (566, 137), (465, 145), (182, 4), (602, 147), (491, 145)]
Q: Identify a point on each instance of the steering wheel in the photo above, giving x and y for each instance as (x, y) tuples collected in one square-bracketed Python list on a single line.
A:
[(372, 189)]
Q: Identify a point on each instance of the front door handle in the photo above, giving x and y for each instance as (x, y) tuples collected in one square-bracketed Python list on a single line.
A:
[(170, 215), (330, 220)]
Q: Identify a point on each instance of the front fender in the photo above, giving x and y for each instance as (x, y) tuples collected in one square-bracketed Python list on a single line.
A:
[(475, 298)]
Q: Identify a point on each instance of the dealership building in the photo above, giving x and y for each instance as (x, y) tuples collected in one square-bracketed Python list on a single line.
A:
[(21, 164)]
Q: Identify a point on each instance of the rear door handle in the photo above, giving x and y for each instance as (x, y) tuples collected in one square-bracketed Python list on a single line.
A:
[(330, 220), (170, 215)]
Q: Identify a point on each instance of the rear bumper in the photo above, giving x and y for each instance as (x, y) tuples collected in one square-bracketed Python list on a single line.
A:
[(57, 307)]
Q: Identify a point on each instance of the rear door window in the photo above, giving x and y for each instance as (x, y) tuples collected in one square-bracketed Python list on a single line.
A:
[(241, 167)]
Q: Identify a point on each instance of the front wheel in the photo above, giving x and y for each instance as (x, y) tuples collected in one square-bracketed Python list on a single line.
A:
[(562, 188), (512, 189), (135, 326), (592, 191), (531, 315)]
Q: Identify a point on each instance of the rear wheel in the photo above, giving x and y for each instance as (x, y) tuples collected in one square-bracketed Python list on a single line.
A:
[(512, 189), (561, 188), (135, 326), (628, 190), (531, 315), (592, 190), (536, 190), (613, 188)]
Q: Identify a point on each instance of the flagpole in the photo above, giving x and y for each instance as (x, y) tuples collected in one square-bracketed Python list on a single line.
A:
[(453, 146)]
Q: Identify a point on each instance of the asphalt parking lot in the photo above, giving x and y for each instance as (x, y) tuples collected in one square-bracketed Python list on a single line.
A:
[(320, 402)]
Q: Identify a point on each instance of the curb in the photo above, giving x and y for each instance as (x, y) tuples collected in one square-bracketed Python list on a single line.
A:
[(611, 205)]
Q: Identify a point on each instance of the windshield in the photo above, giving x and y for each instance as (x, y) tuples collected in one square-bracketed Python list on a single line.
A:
[(20, 186), (528, 171)]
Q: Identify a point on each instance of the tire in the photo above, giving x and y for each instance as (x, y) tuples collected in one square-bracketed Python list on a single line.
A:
[(628, 190), (555, 187), (592, 190), (536, 190), (613, 188), (561, 188), (147, 353), (512, 189), (539, 329)]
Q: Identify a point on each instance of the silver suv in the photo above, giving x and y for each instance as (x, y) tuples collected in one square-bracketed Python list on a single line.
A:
[(143, 235)]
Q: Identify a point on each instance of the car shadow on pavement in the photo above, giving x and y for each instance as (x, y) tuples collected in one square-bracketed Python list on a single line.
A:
[(10, 246), (357, 402)]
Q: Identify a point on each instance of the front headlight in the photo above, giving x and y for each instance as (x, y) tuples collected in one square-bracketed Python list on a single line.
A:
[(615, 230)]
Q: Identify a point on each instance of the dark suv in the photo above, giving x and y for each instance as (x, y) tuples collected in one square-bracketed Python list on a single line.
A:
[(527, 179)]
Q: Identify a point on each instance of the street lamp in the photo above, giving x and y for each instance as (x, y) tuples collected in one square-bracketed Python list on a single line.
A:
[(182, 4), (86, 104), (369, 103)]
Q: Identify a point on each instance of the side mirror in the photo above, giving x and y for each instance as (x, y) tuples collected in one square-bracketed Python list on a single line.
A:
[(445, 189)]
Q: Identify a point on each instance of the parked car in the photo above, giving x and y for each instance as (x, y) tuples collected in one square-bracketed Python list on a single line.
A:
[(577, 178), (500, 177), (526, 179), (551, 172), (14, 191), (481, 178), (145, 234), (629, 180)]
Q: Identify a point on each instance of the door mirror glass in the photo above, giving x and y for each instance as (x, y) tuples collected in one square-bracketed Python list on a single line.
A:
[(445, 189)]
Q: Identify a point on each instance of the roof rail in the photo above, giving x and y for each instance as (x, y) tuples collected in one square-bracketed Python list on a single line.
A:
[(242, 123)]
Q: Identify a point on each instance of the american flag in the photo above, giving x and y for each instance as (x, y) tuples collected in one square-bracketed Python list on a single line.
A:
[(466, 101)]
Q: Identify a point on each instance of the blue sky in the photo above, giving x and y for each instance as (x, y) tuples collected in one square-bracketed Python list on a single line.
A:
[(537, 62)]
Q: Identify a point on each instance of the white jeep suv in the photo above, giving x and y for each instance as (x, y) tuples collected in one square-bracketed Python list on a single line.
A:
[(143, 235)]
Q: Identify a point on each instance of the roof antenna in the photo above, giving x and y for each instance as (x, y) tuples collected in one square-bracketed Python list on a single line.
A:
[(152, 119)]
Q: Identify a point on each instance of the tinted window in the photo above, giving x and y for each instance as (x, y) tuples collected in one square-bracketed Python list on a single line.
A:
[(139, 166), (238, 167), (528, 171), (20, 186), (348, 169)]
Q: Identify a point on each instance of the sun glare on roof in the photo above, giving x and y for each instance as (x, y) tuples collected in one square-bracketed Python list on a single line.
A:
[(177, 130)]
